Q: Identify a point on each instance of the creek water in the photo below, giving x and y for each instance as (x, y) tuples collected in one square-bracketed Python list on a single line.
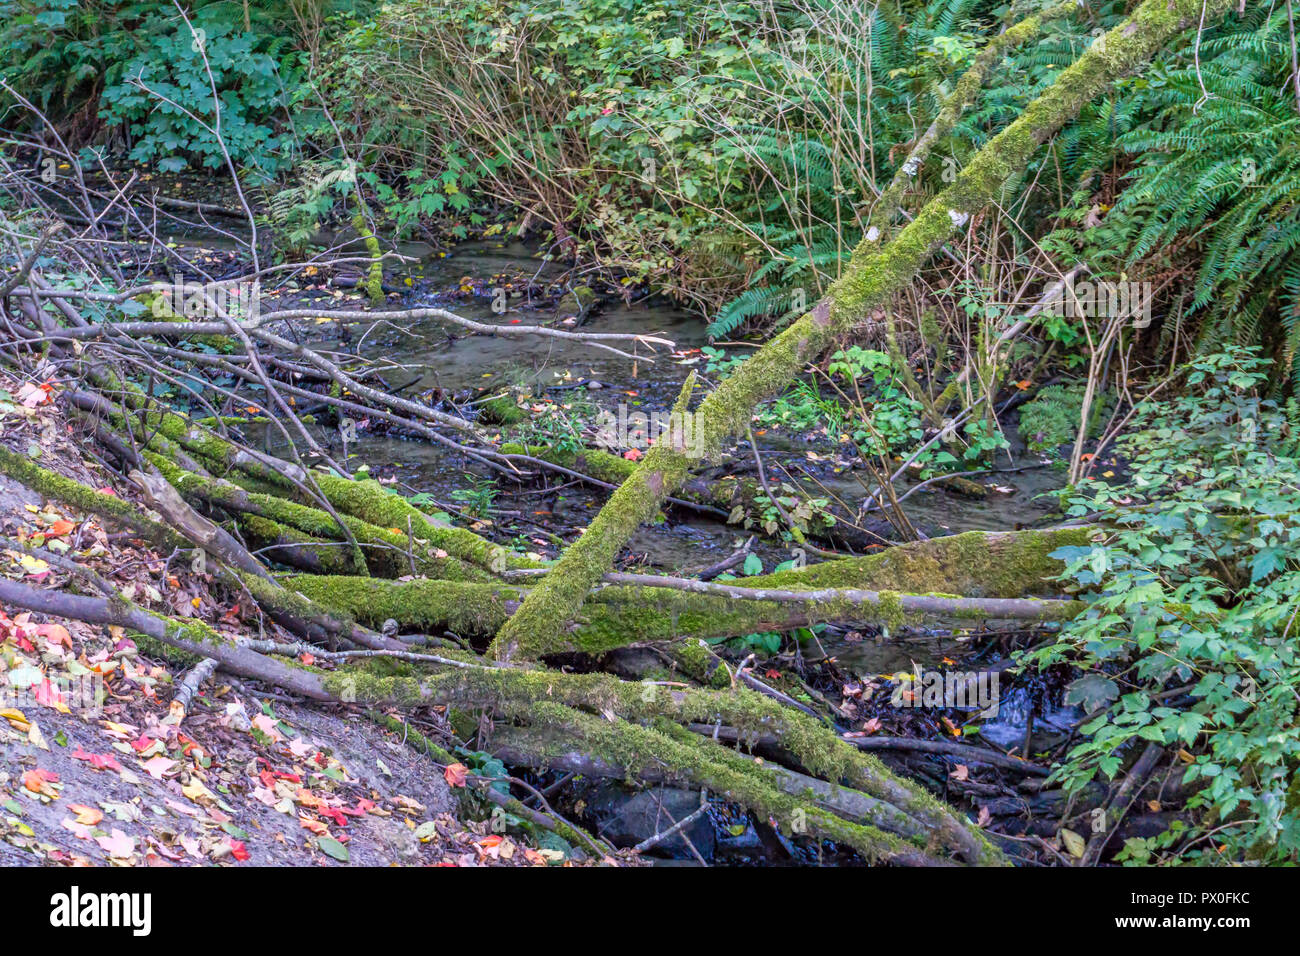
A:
[(431, 357), (431, 353)]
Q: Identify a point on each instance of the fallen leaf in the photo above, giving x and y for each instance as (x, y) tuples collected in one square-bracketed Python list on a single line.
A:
[(158, 767), (314, 826), (39, 781), (332, 847), (1074, 844), (87, 816), (118, 844)]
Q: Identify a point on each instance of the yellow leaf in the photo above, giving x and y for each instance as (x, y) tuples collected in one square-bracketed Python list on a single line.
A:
[(195, 791), (1073, 842), (32, 565)]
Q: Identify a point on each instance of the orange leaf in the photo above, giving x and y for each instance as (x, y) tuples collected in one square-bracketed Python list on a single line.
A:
[(38, 781), (59, 529), (315, 826), (633, 454), (455, 774), (88, 816)]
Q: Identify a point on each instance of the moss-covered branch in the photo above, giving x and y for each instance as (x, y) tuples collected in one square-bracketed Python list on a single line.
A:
[(619, 616), (816, 747), (963, 94), (620, 748)]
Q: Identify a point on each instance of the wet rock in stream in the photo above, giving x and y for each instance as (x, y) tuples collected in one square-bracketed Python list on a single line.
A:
[(626, 819)]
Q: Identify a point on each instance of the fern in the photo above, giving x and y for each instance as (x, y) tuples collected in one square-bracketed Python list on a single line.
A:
[(1213, 157)]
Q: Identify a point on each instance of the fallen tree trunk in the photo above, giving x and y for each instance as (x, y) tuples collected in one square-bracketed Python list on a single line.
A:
[(621, 615), (541, 748), (191, 637), (871, 277), (817, 748)]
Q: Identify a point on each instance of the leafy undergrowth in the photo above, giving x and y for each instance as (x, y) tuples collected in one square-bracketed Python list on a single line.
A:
[(246, 777)]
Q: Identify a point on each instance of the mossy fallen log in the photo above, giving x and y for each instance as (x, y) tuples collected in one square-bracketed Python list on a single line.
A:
[(881, 833), (990, 564), (294, 611), (816, 747), (515, 692), (288, 546), (993, 565), (109, 507), (364, 499), (188, 636), (617, 616), (388, 551)]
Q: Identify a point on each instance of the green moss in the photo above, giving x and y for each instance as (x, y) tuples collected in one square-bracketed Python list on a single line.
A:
[(160, 651), (974, 564), (668, 751), (387, 552), (74, 493), (696, 661), (501, 410), (467, 609), (891, 610), (374, 284), (616, 617), (289, 546), (368, 500)]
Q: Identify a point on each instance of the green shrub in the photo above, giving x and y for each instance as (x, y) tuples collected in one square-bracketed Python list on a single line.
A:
[(1189, 639)]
